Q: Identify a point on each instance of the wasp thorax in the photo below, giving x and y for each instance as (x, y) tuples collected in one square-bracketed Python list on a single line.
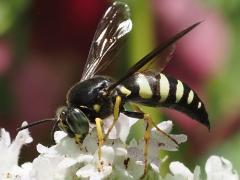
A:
[(74, 122)]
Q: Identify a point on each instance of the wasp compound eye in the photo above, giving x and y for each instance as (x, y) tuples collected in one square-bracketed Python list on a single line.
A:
[(78, 123)]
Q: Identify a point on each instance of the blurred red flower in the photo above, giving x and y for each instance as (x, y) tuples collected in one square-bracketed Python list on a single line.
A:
[(5, 57)]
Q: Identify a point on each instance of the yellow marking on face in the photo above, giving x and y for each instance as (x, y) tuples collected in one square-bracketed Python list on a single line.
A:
[(164, 87), (199, 105), (179, 91), (96, 107), (125, 91), (190, 97), (144, 88), (77, 138)]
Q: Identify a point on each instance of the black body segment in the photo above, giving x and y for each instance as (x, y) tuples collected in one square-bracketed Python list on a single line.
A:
[(86, 92), (158, 90), (87, 96)]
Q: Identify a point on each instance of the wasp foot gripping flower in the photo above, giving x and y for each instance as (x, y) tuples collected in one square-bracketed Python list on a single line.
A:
[(67, 160)]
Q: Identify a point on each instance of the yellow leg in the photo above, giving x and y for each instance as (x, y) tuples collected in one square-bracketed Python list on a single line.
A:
[(116, 112), (165, 134), (138, 109), (147, 136), (100, 136)]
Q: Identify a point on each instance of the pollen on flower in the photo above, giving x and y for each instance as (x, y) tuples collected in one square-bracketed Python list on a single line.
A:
[(99, 169), (125, 162), (161, 144)]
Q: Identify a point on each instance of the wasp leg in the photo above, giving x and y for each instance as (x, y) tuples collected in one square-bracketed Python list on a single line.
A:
[(100, 136), (141, 115), (116, 112), (138, 109), (147, 134)]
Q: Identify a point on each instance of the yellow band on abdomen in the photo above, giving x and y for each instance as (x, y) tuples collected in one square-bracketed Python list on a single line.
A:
[(164, 87), (145, 91)]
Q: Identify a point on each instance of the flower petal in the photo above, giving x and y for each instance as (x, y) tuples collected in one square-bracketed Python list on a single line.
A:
[(5, 139), (165, 126), (66, 162), (178, 168), (197, 172), (98, 168), (86, 171), (162, 141), (23, 137), (121, 128), (90, 142), (59, 135), (220, 168), (107, 154), (42, 149), (10, 152)]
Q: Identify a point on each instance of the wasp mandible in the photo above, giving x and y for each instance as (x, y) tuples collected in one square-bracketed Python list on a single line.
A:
[(96, 97)]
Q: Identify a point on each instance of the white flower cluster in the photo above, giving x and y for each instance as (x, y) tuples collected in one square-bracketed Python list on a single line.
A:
[(217, 168), (120, 160)]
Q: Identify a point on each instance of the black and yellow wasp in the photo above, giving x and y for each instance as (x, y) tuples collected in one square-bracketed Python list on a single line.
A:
[(96, 97)]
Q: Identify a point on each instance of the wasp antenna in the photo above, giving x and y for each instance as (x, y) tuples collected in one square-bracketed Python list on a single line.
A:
[(53, 130), (36, 123)]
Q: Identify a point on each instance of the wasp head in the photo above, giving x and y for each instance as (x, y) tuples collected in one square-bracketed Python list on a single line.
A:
[(74, 122)]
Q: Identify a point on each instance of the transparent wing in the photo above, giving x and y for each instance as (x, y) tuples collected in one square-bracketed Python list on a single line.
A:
[(114, 25), (149, 58), (159, 62)]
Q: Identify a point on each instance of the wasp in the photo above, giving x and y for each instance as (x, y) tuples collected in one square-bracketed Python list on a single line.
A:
[(96, 97)]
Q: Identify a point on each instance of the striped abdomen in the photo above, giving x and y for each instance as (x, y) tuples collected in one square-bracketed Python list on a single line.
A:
[(156, 89)]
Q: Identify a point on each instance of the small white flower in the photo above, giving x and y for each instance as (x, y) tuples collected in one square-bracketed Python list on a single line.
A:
[(98, 168), (181, 172), (61, 160), (157, 142), (162, 141), (67, 160), (127, 168), (219, 168), (124, 166), (10, 152)]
